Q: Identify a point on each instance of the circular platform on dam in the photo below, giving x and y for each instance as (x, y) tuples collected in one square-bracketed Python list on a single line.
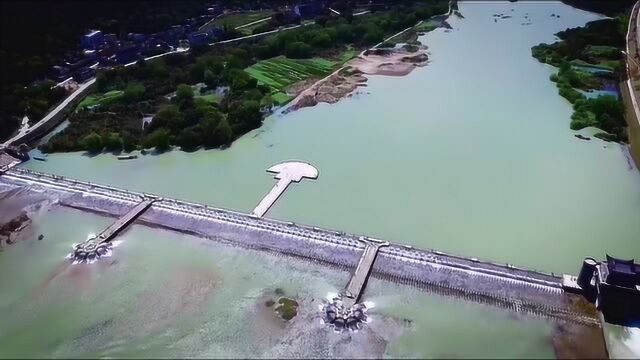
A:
[(342, 318), (90, 250)]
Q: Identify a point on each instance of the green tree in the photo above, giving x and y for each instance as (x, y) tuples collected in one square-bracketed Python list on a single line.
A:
[(245, 116), (129, 142), (92, 143), (169, 116), (321, 40), (608, 105), (102, 82), (298, 50), (223, 134), (113, 142), (373, 36), (208, 128), (159, 139), (189, 139), (133, 92), (184, 93), (210, 79)]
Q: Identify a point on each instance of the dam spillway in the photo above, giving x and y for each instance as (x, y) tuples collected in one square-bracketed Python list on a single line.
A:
[(515, 289)]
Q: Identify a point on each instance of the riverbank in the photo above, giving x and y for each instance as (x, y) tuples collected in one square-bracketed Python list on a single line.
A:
[(410, 162), (589, 59), (252, 90), (345, 81), (629, 93)]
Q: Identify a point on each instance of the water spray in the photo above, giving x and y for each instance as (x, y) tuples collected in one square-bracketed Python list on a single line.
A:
[(90, 250), (342, 317)]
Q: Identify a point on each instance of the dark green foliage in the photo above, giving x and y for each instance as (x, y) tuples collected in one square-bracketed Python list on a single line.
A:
[(168, 117), (604, 112), (298, 50), (184, 93), (287, 308), (245, 116), (54, 28), (190, 120), (598, 43), (321, 40), (210, 79), (189, 139), (133, 92), (609, 8), (606, 137), (113, 142), (92, 143), (159, 140), (373, 36)]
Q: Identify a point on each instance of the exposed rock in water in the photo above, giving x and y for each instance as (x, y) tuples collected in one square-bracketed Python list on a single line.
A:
[(379, 52), (287, 308), (410, 48), (416, 59), (40, 237), (13, 226), (16, 206), (582, 137)]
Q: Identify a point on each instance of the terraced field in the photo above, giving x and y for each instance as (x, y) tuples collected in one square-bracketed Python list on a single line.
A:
[(280, 72)]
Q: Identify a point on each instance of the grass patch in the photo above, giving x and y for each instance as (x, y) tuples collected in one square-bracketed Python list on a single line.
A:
[(100, 99), (348, 55), (237, 19), (281, 98), (280, 72), (287, 308), (602, 51), (210, 98), (427, 26)]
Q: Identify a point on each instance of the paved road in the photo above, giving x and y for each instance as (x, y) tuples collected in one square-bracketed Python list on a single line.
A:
[(51, 115)]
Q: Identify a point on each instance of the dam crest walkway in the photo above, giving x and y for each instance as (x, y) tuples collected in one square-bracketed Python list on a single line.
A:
[(519, 290)]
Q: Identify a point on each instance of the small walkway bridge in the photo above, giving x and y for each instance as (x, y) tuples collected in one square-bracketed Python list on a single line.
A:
[(110, 232), (519, 290), (97, 246)]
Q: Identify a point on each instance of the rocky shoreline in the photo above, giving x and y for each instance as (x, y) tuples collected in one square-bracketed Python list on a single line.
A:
[(345, 81)]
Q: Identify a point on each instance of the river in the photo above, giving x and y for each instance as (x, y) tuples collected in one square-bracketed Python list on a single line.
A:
[(471, 154)]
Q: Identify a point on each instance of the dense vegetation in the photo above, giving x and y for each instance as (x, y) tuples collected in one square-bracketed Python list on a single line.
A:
[(596, 47), (165, 87), (37, 34), (606, 7)]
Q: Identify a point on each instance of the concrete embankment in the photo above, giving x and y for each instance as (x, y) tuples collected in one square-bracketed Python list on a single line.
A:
[(53, 118), (631, 115), (518, 290), (629, 94)]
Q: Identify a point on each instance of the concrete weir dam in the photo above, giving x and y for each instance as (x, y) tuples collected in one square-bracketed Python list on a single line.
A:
[(508, 287)]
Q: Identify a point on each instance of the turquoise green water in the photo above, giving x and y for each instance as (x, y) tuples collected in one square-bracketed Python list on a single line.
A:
[(164, 294), (471, 154)]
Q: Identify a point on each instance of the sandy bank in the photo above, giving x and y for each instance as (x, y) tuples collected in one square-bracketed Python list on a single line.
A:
[(344, 82)]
